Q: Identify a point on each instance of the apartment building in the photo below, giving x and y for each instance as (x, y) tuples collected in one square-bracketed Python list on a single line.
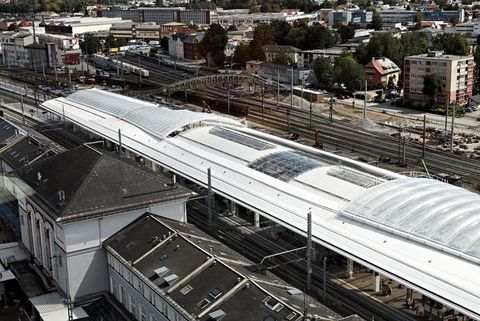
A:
[(160, 15), (455, 73), (272, 52), (391, 17), (349, 16)]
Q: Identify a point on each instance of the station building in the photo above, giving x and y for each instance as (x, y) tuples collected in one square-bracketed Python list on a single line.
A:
[(406, 229)]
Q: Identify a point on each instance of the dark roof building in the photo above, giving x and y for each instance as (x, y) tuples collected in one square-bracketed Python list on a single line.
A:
[(85, 182), (185, 274)]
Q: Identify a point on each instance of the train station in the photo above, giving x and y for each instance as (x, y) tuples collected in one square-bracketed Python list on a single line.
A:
[(414, 231)]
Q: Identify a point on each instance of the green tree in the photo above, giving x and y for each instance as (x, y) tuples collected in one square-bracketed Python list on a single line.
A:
[(418, 17), (213, 44), (451, 44), (349, 72), (90, 44), (296, 37), (241, 55), (377, 21), (256, 50), (431, 87), (346, 32), (265, 34), (476, 71), (323, 71), (164, 44), (319, 37)]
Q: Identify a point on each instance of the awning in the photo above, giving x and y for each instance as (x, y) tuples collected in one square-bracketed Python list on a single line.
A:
[(52, 307)]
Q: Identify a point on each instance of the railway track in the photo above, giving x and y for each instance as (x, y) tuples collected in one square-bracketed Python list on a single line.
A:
[(255, 247)]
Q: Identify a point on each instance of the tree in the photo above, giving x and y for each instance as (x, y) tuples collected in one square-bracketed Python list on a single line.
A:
[(164, 44), (377, 21), (418, 17), (451, 44), (90, 44), (431, 87), (264, 34), (296, 37), (323, 71), (476, 71), (256, 50), (241, 55), (213, 44), (349, 72), (318, 37), (346, 32)]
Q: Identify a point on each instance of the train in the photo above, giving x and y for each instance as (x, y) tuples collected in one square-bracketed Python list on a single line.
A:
[(108, 63)]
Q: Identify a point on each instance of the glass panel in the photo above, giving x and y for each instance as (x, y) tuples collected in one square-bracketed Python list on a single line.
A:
[(474, 249), (284, 165), (464, 238), (455, 225), (354, 177), (241, 138)]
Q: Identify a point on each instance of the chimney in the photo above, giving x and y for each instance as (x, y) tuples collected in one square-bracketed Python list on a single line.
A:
[(39, 177), (61, 197)]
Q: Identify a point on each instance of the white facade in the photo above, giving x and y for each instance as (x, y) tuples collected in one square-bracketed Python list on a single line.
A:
[(71, 253), (138, 295), (175, 48), (14, 52)]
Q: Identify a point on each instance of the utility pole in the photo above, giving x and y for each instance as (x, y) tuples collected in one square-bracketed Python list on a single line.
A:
[(424, 134), (311, 110), (399, 141), (139, 72), (23, 110), (404, 141), (446, 121), (324, 277), (453, 124), (309, 249), (365, 102), (291, 102), (119, 141), (228, 99), (278, 87), (263, 102), (331, 110), (209, 198)]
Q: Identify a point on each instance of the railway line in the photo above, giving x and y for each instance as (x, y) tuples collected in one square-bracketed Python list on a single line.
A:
[(291, 267), (350, 136)]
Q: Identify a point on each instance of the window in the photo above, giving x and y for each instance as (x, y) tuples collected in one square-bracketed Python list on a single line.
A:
[(164, 308), (152, 318), (131, 306), (113, 287), (143, 316), (122, 295)]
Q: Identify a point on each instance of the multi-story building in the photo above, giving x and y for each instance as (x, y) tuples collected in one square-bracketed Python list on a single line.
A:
[(175, 45), (391, 17), (454, 72), (14, 51), (163, 270), (382, 71), (190, 46), (470, 30), (73, 26), (349, 16), (160, 15), (272, 52), (228, 18), (280, 73), (70, 203)]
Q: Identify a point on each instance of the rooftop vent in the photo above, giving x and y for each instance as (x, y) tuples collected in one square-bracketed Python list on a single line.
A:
[(215, 293), (203, 304), (291, 316), (61, 198), (273, 304), (172, 278), (186, 289), (161, 271), (217, 315)]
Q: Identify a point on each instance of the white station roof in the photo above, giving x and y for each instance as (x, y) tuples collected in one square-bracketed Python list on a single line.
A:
[(352, 203)]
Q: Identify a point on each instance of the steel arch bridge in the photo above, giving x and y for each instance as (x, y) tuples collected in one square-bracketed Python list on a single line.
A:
[(215, 80)]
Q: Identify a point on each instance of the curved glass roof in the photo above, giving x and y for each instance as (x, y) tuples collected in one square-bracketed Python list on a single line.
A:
[(443, 215), (156, 120)]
